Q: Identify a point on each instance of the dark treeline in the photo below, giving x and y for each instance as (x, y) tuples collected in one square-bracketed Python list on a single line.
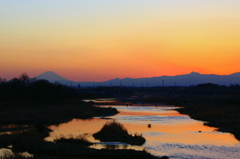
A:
[(30, 101), (25, 88), (206, 91)]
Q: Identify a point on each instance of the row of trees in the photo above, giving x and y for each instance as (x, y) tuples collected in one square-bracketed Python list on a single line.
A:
[(25, 88)]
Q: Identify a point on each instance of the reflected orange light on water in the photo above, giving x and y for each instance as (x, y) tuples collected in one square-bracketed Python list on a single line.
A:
[(77, 127), (148, 113), (183, 131), (187, 133)]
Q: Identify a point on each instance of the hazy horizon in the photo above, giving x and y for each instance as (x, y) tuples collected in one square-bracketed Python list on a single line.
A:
[(190, 78), (100, 40), (115, 77)]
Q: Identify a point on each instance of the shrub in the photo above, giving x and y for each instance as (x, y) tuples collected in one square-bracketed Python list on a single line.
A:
[(114, 127), (115, 131)]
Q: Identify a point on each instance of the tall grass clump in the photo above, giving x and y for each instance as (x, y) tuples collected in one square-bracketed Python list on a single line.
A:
[(81, 140), (114, 127), (115, 131)]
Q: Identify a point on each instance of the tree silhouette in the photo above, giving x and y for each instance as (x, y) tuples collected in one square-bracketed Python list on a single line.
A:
[(24, 78), (2, 80), (24, 88)]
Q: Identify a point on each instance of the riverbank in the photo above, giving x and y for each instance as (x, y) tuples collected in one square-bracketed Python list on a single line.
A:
[(224, 117), (220, 111), (33, 142), (28, 112), (31, 119)]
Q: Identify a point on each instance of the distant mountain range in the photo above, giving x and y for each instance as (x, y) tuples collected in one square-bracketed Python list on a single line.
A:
[(193, 78)]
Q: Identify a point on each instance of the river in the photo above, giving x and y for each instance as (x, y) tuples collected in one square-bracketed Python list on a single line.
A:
[(166, 131)]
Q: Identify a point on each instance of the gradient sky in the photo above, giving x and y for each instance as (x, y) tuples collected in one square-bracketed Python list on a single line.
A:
[(97, 40)]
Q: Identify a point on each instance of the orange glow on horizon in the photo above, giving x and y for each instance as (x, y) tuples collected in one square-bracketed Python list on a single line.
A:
[(124, 40)]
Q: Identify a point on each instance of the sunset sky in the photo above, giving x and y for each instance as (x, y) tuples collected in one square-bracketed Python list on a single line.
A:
[(98, 40)]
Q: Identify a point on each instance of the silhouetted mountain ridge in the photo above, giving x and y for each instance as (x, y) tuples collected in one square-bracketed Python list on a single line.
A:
[(236, 74), (192, 78), (50, 75)]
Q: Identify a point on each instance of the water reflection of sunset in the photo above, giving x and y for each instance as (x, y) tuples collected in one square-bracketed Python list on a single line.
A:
[(138, 113), (185, 131), (78, 127)]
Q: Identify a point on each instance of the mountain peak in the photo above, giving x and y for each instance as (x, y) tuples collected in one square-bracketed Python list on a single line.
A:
[(50, 76), (50, 72), (194, 73)]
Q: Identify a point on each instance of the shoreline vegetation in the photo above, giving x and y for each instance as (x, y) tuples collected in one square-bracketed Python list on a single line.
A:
[(29, 106)]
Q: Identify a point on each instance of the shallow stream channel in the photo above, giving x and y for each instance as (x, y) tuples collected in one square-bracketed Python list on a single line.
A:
[(167, 133)]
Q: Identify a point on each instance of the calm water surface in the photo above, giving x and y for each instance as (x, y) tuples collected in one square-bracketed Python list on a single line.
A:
[(171, 133)]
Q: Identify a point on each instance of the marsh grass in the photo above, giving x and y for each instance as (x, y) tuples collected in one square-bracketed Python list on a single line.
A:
[(114, 127), (80, 140), (8, 154), (115, 131)]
